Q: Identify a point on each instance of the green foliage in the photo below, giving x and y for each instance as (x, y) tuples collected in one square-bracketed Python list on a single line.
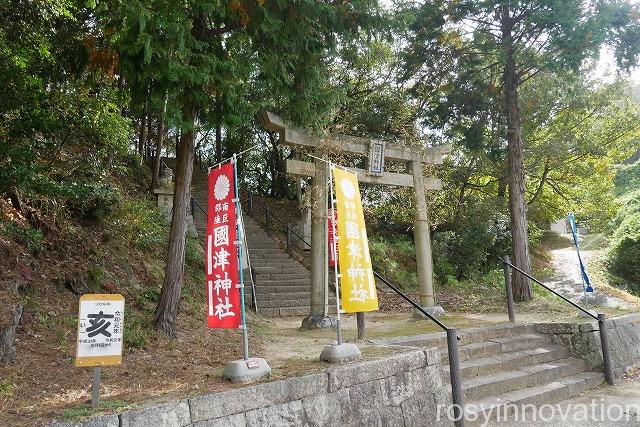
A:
[(479, 239), (140, 221), (627, 179), (83, 411), (137, 330), (624, 249), (395, 259), (32, 238), (624, 252), (194, 257), (95, 278)]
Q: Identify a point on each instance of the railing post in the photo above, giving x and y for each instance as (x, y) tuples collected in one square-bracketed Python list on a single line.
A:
[(362, 332), (456, 380), (266, 220), (288, 239), (606, 350), (508, 289)]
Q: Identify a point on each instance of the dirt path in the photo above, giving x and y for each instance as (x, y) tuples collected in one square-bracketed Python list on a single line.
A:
[(568, 280)]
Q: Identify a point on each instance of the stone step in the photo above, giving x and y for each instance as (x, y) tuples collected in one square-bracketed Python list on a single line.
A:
[(551, 392), (260, 256), (266, 251), (278, 303), (261, 277), (274, 262), (281, 289), (284, 282), (280, 296), (486, 365), (288, 311), (283, 311), (272, 246), (497, 346), (527, 376)]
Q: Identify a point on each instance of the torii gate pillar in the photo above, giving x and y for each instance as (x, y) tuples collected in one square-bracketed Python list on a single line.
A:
[(318, 316), (422, 239)]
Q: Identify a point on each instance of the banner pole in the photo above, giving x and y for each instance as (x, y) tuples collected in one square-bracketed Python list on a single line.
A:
[(335, 257), (245, 335)]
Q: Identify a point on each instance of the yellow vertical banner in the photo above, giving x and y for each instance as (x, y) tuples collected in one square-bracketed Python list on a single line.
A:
[(357, 284)]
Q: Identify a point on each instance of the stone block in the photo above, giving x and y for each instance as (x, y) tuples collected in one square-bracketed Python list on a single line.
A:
[(398, 388), (365, 399), (348, 375), (103, 421), (558, 328), (624, 320), (169, 415), (442, 395), (235, 420), (328, 409), (286, 414), (218, 405), (585, 343), (589, 327), (420, 410), (434, 377), (433, 356), (391, 416)]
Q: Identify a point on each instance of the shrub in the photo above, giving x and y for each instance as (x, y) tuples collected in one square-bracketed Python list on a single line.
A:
[(624, 253), (32, 238)]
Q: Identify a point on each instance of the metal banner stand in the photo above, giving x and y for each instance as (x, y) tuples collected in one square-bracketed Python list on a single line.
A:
[(247, 369), (341, 352)]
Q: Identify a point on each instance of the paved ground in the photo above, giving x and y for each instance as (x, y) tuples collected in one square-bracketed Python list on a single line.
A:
[(568, 280), (607, 406)]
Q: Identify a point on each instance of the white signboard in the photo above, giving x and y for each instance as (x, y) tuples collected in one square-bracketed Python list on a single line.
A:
[(100, 330), (376, 157)]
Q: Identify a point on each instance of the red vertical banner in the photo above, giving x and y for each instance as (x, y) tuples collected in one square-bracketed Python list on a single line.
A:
[(330, 225), (221, 263)]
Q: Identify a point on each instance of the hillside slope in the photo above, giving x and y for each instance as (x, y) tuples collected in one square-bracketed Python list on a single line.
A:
[(119, 251)]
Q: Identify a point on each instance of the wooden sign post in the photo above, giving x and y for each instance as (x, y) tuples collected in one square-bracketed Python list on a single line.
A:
[(413, 157), (100, 335)]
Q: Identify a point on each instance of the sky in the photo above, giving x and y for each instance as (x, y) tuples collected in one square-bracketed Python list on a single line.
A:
[(607, 68)]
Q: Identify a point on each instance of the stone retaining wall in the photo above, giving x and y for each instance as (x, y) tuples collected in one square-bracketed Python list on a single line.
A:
[(583, 340), (404, 389)]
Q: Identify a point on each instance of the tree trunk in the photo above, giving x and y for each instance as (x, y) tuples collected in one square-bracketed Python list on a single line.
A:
[(147, 145), (142, 136), (522, 290), (167, 310), (218, 131), (159, 138)]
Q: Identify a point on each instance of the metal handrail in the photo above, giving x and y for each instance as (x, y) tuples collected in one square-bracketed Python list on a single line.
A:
[(193, 200), (601, 318), (271, 215), (549, 289), (413, 303)]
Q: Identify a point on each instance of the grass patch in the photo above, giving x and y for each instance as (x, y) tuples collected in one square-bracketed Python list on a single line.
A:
[(137, 330), (84, 411)]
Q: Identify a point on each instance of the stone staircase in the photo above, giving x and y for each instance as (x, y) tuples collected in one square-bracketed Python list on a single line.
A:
[(199, 189), (509, 365), (282, 283)]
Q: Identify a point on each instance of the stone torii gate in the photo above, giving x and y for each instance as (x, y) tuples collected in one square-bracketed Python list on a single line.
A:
[(414, 157)]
